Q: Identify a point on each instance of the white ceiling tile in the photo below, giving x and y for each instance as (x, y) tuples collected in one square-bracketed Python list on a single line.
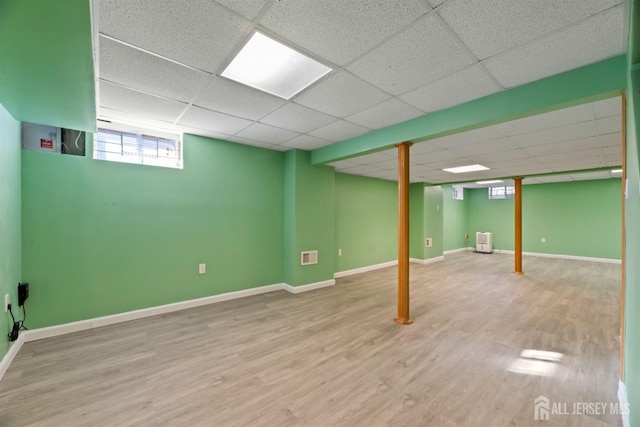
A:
[(211, 120), (306, 142), (608, 125), (340, 31), (423, 169), (553, 178), (195, 32), (247, 8), (202, 132), (564, 146), (468, 137), (590, 153), (140, 70), (509, 159), (424, 147), (489, 27), (361, 169), (436, 3), (233, 98), (424, 53), (266, 134), (129, 101), (612, 151), (465, 85), (341, 94), (611, 140), (339, 131), (563, 133), (116, 116), (245, 141), (389, 164), (297, 118), (589, 41), (608, 107), (385, 114), (500, 156), (552, 119), (613, 160), (485, 147), (433, 156)]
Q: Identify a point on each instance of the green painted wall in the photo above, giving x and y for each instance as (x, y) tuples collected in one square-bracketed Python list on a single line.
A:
[(309, 204), (426, 206), (102, 237), (454, 226), (416, 220), (366, 221), (46, 62), (495, 216), (10, 239), (433, 220), (632, 223), (571, 216)]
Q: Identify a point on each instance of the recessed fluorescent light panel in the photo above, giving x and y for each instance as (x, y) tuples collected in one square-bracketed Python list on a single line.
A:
[(463, 169), (272, 67), (492, 181), (616, 171)]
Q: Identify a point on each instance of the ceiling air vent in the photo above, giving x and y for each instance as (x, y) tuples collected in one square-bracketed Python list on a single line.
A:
[(308, 257)]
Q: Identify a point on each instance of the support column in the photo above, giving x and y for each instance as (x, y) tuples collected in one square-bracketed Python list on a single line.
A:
[(518, 223), (403, 234)]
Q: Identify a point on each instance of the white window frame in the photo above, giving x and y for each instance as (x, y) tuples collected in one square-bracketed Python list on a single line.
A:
[(457, 192), (140, 151), (501, 192)]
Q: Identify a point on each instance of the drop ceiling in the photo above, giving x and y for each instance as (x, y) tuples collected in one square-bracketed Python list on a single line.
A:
[(392, 60)]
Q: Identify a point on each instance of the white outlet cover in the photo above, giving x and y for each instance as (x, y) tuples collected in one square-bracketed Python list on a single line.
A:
[(202, 268), (543, 240), (6, 303)]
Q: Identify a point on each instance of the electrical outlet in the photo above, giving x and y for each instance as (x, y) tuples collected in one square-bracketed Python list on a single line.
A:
[(339, 252), (428, 242), (543, 240), (6, 303), (202, 268)]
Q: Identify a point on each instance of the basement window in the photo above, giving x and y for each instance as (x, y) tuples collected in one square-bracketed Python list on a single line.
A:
[(503, 192), (127, 144)]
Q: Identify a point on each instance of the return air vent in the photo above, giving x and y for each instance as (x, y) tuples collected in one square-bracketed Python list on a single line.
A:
[(308, 257)]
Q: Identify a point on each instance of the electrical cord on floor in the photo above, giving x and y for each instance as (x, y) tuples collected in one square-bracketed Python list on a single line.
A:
[(17, 325)]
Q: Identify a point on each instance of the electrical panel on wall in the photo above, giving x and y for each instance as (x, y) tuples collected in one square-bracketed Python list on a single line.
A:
[(53, 139)]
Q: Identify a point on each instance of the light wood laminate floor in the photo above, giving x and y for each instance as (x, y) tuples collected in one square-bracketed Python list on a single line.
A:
[(334, 356)]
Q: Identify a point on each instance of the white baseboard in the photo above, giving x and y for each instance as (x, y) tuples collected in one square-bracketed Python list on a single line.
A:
[(13, 351), (364, 269), (455, 251), (83, 325), (427, 261), (309, 287), (573, 257), (624, 404)]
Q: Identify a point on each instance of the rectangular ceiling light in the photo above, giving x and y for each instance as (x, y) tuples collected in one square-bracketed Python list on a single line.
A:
[(616, 171), (463, 169), (491, 181), (272, 67)]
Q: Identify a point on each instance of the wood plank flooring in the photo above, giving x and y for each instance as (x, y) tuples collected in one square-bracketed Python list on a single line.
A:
[(335, 356)]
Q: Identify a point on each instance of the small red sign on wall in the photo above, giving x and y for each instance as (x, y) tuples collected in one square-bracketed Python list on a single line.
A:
[(46, 143)]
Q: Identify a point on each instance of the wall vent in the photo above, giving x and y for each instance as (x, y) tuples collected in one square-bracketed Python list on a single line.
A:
[(308, 257)]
